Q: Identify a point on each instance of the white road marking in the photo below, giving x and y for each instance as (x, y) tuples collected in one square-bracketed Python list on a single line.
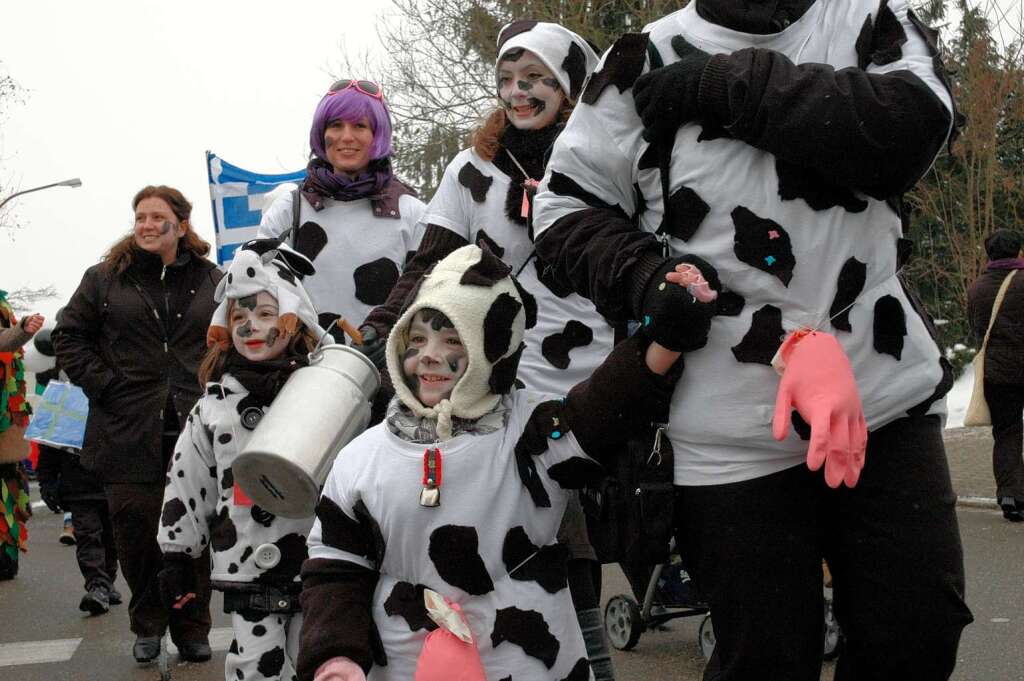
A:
[(37, 652)]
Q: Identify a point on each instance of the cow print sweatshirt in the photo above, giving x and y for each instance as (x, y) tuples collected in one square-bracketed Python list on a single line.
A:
[(490, 545), (203, 505), (789, 186)]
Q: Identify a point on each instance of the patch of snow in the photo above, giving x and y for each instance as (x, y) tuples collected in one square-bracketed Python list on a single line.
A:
[(959, 397)]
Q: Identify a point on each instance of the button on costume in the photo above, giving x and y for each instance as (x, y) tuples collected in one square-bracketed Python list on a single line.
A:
[(773, 141)]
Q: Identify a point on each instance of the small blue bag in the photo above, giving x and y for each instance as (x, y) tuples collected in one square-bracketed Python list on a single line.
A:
[(59, 418)]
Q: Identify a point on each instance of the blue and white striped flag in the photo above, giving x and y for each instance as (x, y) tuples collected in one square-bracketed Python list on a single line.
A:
[(239, 198)]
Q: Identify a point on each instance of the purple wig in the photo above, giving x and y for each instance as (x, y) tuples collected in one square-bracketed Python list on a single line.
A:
[(351, 106)]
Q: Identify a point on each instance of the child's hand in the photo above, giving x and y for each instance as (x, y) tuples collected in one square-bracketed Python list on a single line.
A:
[(32, 323), (339, 669), (659, 358)]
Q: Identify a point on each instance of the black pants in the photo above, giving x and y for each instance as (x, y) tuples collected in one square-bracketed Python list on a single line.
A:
[(892, 543), (95, 550), (135, 515), (1006, 404)]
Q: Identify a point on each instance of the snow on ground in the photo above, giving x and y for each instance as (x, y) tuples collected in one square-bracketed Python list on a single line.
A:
[(958, 398)]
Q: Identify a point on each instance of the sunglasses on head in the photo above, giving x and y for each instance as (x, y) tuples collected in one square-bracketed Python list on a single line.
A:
[(367, 87)]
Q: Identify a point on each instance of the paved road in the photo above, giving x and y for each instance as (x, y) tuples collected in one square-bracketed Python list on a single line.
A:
[(53, 641)]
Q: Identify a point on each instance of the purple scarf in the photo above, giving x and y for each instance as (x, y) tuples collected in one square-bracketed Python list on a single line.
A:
[(1006, 264), (321, 181)]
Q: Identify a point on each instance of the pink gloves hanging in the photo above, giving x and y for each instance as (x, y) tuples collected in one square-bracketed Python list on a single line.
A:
[(817, 381), (449, 652), (339, 669)]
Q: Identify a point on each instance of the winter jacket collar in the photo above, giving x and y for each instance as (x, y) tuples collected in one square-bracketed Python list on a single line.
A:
[(144, 262), (1006, 264)]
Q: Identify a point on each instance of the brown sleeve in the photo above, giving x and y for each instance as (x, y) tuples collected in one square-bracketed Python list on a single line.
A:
[(13, 338), (436, 244), (337, 617)]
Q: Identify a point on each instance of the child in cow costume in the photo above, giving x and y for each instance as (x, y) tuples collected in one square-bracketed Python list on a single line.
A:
[(434, 552), (261, 332)]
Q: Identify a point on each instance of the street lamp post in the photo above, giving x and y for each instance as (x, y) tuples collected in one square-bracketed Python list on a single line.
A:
[(73, 182)]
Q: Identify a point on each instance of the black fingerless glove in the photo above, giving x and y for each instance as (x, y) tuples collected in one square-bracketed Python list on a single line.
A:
[(176, 580), (373, 347), (671, 315), (667, 97)]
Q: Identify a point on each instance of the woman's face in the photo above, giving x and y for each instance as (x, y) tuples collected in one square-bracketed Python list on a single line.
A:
[(254, 331), (157, 229), (435, 358), (529, 90), (348, 145)]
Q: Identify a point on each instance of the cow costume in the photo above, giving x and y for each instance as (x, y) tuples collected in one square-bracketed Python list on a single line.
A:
[(465, 497), (773, 141), (256, 555)]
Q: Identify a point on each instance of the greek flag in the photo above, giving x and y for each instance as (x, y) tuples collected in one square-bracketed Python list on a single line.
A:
[(239, 198)]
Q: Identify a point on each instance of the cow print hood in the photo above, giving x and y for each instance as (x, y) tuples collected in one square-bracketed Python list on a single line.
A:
[(266, 265), (491, 312), (570, 58)]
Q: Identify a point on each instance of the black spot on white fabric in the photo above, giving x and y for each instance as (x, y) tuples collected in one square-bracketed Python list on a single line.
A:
[(529, 304), (796, 182), (192, 504), (503, 375), (498, 326), (557, 346), (374, 280), (406, 601), (575, 64), (622, 66), (245, 554), (945, 383), (476, 182), (271, 663), (174, 510), (293, 554), (310, 240), (285, 272), (224, 438), (526, 562), (261, 516), (850, 284), (890, 326), (218, 391), (648, 159), (360, 536), (250, 272), (202, 493), (684, 211), (880, 41), (547, 277), (562, 184), (227, 480), (488, 271), (576, 472), (527, 629), (513, 29), (454, 551), (259, 630), (233, 649), (580, 671), (233, 569), (764, 337), (223, 534), (484, 239), (730, 303), (763, 244), (546, 422), (800, 426)]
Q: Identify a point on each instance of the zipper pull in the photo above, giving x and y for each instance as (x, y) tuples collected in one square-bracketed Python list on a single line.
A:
[(656, 450), (163, 272), (663, 239)]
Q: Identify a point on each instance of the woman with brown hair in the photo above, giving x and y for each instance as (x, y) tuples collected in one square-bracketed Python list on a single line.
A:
[(485, 199), (132, 337)]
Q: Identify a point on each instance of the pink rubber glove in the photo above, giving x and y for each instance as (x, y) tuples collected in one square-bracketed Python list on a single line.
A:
[(818, 382), (339, 669)]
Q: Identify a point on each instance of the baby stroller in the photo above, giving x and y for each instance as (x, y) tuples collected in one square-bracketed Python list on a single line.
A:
[(671, 594)]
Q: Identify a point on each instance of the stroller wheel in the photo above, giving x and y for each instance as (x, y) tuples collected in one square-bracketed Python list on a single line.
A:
[(833, 634), (706, 637), (622, 622)]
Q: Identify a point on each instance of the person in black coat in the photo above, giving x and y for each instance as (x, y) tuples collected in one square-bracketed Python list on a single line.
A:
[(1004, 364), (132, 337)]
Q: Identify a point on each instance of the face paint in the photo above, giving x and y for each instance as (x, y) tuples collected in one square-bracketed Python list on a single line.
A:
[(529, 91), (166, 227), (436, 358), (157, 229), (514, 54), (254, 332)]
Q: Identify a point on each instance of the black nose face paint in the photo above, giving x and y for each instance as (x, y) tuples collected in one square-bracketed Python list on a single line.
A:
[(248, 302), (245, 330), (453, 361), (524, 85)]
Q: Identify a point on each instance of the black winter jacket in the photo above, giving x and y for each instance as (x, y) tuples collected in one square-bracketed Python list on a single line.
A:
[(1004, 358), (133, 342)]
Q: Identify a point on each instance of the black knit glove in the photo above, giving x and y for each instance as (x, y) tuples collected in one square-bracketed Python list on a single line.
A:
[(671, 315), (373, 347), (50, 492), (176, 581), (666, 98)]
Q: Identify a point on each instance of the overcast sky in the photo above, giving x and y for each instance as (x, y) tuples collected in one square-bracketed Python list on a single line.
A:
[(128, 94), (132, 93)]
